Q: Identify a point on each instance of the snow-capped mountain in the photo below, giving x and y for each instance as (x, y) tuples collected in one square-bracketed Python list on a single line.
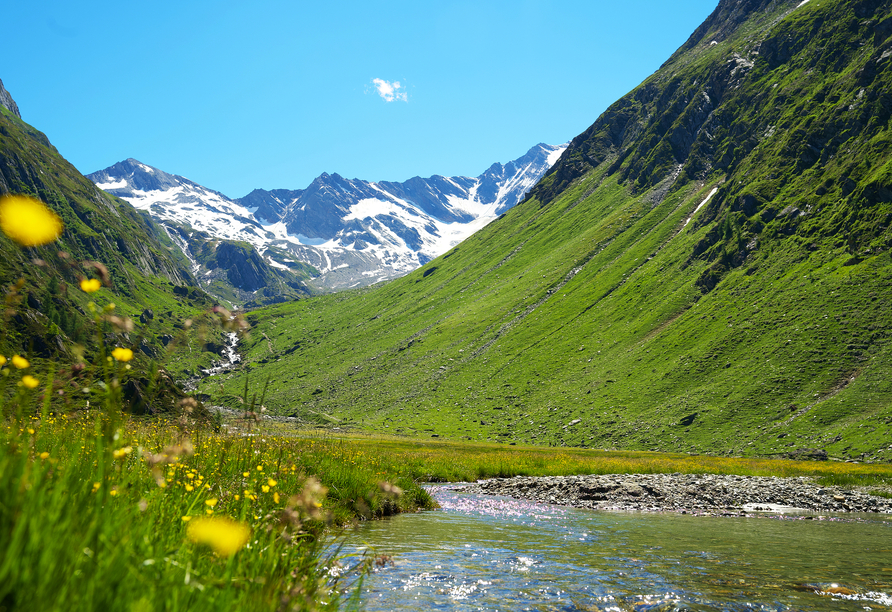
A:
[(354, 232), (172, 198)]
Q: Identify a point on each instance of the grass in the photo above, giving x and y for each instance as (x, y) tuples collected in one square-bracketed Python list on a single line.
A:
[(444, 461), (97, 517), (97, 508)]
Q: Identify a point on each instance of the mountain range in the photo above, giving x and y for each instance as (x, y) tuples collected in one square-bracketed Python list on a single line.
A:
[(336, 233)]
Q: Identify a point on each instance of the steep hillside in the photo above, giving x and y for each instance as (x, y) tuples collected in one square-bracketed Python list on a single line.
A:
[(46, 315), (706, 269)]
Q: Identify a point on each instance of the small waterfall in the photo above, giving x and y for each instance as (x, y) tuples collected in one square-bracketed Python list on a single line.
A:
[(230, 358)]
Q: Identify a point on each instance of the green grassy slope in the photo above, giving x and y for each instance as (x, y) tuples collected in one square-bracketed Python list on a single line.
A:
[(48, 316), (611, 309)]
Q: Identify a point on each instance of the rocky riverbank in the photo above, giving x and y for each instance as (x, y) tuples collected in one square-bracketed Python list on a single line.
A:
[(687, 493)]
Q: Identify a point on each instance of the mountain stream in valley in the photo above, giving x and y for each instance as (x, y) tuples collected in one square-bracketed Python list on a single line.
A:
[(229, 358), (496, 553)]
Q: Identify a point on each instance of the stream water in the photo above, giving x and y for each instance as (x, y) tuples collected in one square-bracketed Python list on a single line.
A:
[(495, 553)]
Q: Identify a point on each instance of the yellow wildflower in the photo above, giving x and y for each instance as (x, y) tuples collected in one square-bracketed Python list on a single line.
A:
[(186, 519), (122, 452), (190, 487), (122, 354), (264, 488), (20, 362), (271, 482), (245, 474), (2, 361), (225, 536), (91, 285), (210, 502), (44, 455), (28, 221), (29, 381)]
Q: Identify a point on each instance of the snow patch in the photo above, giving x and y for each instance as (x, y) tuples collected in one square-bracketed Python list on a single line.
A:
[(371, 207), (276, 264), (702, 204), (556, 155), (113, 185)]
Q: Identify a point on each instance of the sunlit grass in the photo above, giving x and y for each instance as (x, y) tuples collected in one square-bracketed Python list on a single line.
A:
[(464, 461), (92, 523)]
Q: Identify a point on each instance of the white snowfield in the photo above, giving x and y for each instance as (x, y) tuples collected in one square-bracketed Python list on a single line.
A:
[(396, 235)]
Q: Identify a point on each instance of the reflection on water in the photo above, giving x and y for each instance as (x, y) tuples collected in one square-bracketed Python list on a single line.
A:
[(490, 553)]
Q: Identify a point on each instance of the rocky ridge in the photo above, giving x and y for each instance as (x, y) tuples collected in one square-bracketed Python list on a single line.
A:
[(697, 493), (7, 101)]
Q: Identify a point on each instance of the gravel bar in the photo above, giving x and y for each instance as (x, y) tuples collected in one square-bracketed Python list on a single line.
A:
[(685, 493)]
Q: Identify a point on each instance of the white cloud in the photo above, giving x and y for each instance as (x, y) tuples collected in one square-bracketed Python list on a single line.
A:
[(391, 91)]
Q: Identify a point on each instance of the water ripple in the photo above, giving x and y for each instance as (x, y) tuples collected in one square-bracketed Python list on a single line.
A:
[(491, 553)]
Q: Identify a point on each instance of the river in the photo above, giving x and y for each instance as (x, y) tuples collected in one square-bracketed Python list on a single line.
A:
[(496, 553)]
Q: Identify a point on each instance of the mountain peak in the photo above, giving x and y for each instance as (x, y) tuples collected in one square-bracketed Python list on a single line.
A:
[(725, 19), (7, 101)]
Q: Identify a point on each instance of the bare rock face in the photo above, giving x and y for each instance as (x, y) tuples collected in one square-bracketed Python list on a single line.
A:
[(245, 268), (7, 101)]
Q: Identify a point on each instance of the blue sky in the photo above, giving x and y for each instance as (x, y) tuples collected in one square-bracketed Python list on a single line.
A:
[(240, 95)]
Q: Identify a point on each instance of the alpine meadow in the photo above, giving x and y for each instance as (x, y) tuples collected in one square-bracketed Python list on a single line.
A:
[(706, 269), (699, 285)]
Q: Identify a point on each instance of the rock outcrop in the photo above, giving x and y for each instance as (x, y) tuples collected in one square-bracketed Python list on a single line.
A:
[(7, 101)]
